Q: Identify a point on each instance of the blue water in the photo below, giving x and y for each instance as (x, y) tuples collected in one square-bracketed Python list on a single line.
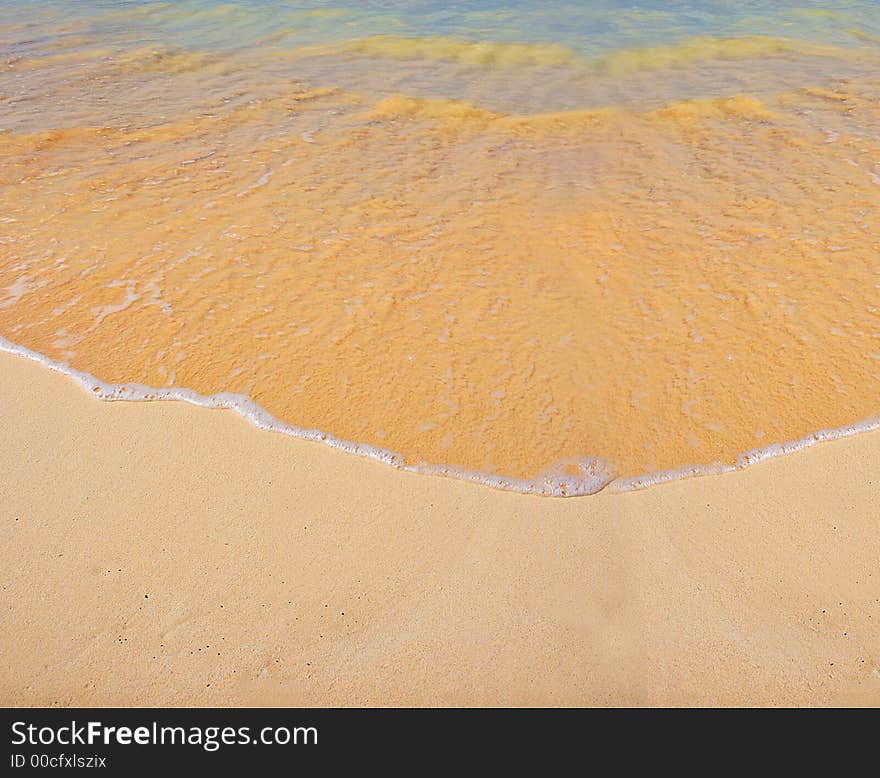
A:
[(230, 51), (590, 28)]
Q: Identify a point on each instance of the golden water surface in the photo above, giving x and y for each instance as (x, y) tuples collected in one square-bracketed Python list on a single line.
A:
[(651, 285)]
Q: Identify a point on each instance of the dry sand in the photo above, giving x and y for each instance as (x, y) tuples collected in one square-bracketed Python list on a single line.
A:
[(162, 554)]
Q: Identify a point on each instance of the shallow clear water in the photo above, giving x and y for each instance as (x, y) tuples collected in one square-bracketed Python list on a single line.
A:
[(589, 28), (570, 55), (542, 245)]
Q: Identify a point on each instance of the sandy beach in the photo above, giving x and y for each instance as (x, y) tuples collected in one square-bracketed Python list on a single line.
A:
[(163, 554)]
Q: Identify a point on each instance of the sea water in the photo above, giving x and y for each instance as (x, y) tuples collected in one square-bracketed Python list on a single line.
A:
[(546, 246)]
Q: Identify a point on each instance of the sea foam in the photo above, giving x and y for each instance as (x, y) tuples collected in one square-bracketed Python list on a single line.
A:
[(595, 476)]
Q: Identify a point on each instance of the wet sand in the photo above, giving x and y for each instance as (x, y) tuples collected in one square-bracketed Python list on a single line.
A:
[(163, 554)]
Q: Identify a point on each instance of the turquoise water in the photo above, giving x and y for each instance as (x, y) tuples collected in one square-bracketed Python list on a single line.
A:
[(72, 61), (591, 28)]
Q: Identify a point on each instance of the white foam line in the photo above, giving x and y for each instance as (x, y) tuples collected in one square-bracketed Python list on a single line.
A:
[(599, 476), (260, 417), (745, 460)]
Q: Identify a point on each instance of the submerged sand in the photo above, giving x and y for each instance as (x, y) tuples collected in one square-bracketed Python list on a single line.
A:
[(651, 288), (163, 554)]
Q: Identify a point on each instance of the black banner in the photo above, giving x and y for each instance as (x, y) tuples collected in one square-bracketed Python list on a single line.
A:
[(134, 740)]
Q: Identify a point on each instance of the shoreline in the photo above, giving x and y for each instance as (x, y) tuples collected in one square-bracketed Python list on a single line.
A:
[(599, 476), (162, 554)]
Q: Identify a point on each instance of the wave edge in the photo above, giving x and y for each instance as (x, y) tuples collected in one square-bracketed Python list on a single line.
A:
[(600, 475)]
